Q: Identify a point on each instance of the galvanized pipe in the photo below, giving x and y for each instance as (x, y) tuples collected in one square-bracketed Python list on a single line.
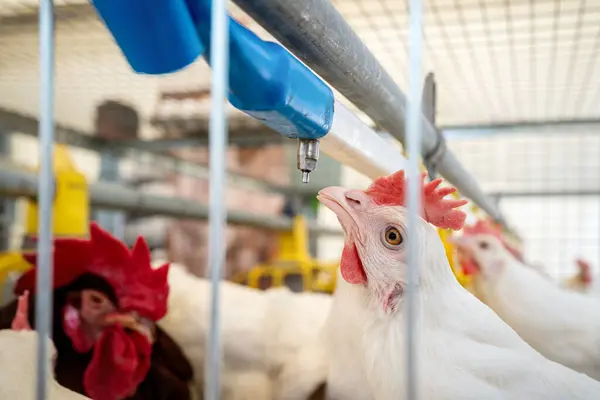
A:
[(15, 182), (413, 142), (219, 60), (43, 295)]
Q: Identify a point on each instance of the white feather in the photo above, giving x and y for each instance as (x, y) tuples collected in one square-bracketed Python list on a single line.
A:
[(268, 337), (18, 363), (562, 324)]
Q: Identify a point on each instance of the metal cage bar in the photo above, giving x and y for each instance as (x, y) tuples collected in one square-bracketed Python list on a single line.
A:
[(219, 59), (413, 142), (44, 300)]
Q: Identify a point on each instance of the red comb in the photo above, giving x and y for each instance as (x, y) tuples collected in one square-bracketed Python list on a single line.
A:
[(483, 228), (584, 270), (21, 321), (71, 255), (487, 228), (390, 190), (137, 285)]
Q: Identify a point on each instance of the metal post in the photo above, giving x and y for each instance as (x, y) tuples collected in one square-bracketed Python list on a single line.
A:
[(219, 60), (43, 305), (112, 221), (6, 205), (413, 140)]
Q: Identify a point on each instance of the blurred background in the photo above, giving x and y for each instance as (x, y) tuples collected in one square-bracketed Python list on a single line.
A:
[(518, 99)]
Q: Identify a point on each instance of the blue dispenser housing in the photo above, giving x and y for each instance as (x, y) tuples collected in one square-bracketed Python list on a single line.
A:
[(265, 80)]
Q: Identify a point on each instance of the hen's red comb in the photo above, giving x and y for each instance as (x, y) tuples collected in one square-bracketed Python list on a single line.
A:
[(483, 228), (584, 270), (21, 320), (390, 190), (486, 228), (71, 256), (138, 287)]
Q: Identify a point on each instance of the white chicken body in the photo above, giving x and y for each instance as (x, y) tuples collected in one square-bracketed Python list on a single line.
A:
[(271, 340), (562, 324), (18, 365), (465, 351)]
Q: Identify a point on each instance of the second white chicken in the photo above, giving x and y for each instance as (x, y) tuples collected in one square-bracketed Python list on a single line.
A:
[(562, 324)]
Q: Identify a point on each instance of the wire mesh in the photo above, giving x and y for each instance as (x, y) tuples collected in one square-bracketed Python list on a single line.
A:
[(549, 188), (493, 60)]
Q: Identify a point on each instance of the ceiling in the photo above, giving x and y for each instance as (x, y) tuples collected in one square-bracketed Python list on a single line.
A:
[(494, 61)]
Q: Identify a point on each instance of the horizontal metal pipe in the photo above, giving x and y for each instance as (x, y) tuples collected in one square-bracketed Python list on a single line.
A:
[(351, 142), (546, 193), (558, 126), (15, 182)]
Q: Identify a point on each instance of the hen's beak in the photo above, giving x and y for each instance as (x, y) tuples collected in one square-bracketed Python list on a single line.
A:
[(461, 242), (465, 255), (334, 198)]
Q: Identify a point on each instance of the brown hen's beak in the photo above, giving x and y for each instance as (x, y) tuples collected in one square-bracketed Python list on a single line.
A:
[(129, 321)]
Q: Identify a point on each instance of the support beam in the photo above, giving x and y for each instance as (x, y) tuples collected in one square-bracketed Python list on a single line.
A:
[(7, 206), (246, 141), (545, 127), (16, 182), (30, 19), (546, 193)]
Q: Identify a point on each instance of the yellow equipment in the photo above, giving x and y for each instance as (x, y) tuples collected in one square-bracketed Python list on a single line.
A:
[(446, 236), (71, 201), (10, 262), (71, 212), (292, 260)]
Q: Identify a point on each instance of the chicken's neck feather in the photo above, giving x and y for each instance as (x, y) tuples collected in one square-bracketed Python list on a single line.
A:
[(358, 323)]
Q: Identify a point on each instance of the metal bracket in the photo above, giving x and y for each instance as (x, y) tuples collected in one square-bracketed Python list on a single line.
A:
[(432, 158)]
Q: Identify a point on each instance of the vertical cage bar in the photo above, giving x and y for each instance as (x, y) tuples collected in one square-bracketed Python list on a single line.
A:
[(6, 205), (112, 221), (43, 305), (413, 141), (219, 60)]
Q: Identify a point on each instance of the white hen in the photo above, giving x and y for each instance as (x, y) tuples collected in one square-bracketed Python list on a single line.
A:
[(562, 324), (271, 339), (18, 362), (17, 380), (465, 351)]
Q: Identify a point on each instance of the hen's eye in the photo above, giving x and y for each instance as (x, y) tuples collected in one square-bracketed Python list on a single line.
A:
[(483, 245), (393, 236)]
